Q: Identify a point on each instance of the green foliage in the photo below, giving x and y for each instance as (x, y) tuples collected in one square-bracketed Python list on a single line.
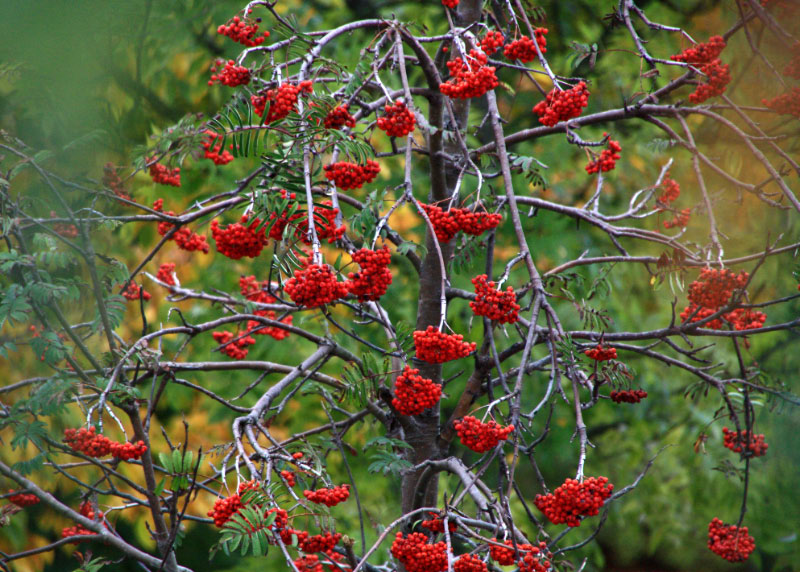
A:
[(246, 530)]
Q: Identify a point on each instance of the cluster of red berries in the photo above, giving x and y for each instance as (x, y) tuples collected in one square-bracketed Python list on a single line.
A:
[(399, 120), (628, 395), (711, 291), (91, 444), (324, 221), (469, 563), (328, 497), (134, 291), (163, 175), (183, 237), (37, 333), (86, 510), (243, 32), (225, 508), (601, 353), (447, 223), (348, 175), (498, 306), (373, 278), (732, 543), (524, 50), (433, 346), (314, 286), (166, 273), (562, 105), (702, 53), (237, 240), (232, 347), (492, 41), (289, 477), (532, 558), (414, 393), (671, 191), (112, 181), (436, 524), (450, 3), (574, 499), (738, 442), (744, 319), (792, 69), (282, 100), (339, 117), (212, 145), (318, 542), (786, 104), (258, 292), (608, 158), (481, 437), (718, 77), (66, 230), (228, 73), (22, 499), (417, 555), (469, 79), (680, 220)]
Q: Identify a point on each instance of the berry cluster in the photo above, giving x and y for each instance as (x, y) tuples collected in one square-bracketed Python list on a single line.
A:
[(289, 477), (532, 558), (680, 220), (314, 286), (86, 510), (163, 175), (701, 53), (233, 347), (498, 306), (608, 158), (238, 240), (282, 100), (718, 77), (339, 117), (228, 73), (561, 105), (469, 563), (671, 191), (324, 221), (166, 273), (373, 278), (112, 181), (22, 499), (732, 543), (348, 175), (738, 442), (133, 291), (469, 79), (711, 291), (128, 451), (443, 222), (183, 237), (225, 508), (574, 499), (481, 437), (417, 555), (792, 69), (399, 120), (66, 230), (243, 32), (433, 346), (628, 396), (524, 50), (492, 42), (436, 524), (328, 497), (601, 354), (786, 104), (258, 292), (450, 3), (91, 444), (414, 393), (212, 145), (447, 223), (744, 319), (318, 542)]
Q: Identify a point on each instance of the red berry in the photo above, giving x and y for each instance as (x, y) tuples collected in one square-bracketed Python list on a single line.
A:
[(433, 346), (732, 543), (328, 497), (348, 175), (561, 105), (237, 240), (469, 79), (374, 277), (399, 121), (498, 306), (314, 286), (414, 393), (574, 499), (481, 437), (524, 50)]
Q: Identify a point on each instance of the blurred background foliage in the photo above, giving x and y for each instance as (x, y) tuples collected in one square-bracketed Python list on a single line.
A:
[(94, 81)]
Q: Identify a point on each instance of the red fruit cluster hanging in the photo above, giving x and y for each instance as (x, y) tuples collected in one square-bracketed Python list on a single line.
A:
[(601, 353), (282, 100), (163, 175), (680, 220), (628, 396), (112, 181), (792, 69), (450, 3), (498, 306), (237, 240), (318, 542), (492, 42), (228, 73), (348, 175), (212, 145), (705, 58), (670, 193), (339, 117), (86, 510), (608, 158), (739, 442), (532, 558), (22, 499), (414, 393), (166, 273), (524, 50), (433, 346), (562, 105), (64, 229), (324, 221), (574, 499), (711, 291), (183, 237), (328, 497), (242, 31), (732, 543), (255, 292), (399, 120), (786, 104), (289, 477), (134, 291), (314, 286), (436, 524), (469, 79), (481, 437), (702, 53), (225, 508), (447, 223), (417, 555), (469, 563), (443, 222), (91, 444), (373, 278), (233, 349)]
